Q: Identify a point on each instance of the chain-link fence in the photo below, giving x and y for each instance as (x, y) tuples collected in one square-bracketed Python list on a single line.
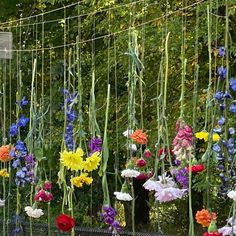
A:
[(42, 230)]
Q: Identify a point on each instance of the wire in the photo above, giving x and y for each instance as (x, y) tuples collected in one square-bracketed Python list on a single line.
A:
[(111, 34)]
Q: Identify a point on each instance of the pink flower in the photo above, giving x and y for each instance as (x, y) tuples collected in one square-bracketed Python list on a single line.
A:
[(169, 194), (147, 153), (151, 185), (141, 162), (43, 196), (47, 185), (141, 176)]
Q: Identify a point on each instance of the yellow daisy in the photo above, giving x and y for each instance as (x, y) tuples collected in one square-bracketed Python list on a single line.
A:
[(92, 162), (72, 160), (4, 173), (78, 181), (216, 137)]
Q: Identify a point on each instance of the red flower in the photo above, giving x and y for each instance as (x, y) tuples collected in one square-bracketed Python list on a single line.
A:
[(43, 196), (164, 151), (139, 137), (212, 234), (197, 168), (147, 153), (65, 223), (141, 162)]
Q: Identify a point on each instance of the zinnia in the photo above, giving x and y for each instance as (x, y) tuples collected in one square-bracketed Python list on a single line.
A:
[(203, 217), (65, 222), (139, 137), (5, 153)]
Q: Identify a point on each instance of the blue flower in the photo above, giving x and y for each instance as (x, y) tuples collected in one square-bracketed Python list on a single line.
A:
[(16, 163), (227, 95), (71, 115), (221, 121), (22, 103), (222, 107), (232, 84), (216, 148), (219, 95), (222, 72), (13, 130), (232, 108), (221, 51), (22, 122), (231, 130)]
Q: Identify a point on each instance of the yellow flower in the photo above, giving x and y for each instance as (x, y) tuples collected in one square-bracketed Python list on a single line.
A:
[(202, 135), (4, 173), (78, 181), (72, 160), (216, 137), (92, 162)]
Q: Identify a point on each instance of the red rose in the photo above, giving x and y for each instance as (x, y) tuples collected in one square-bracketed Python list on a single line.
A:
[(65, 222), (212, 234), (197, 168)]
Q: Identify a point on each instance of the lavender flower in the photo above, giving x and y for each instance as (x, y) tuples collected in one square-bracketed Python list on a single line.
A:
[(95, 144), (222, 72), (22, 122), (182, 177)]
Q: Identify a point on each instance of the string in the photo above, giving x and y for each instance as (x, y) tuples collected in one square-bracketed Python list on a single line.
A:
[(117, 32)]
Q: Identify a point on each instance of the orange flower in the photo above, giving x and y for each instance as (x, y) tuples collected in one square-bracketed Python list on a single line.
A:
[(4, 153), (203, 217), (139, 137)]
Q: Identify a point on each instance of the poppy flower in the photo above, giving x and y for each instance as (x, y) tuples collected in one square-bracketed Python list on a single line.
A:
[(65, 222), (196, 168), (5, 153), (139, 137)]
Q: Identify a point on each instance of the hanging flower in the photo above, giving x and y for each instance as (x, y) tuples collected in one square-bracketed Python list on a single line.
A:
[(132, 147), (5, 153), (128, 132), (232, 84), (196, 168), (139, 137), (2, 202), (181, 176), (221, 51), (4, 173), (72, 160), (43, 196), (65, 222), (23, 102), (232, 107), (13, 130), (169, 194), (205, 135), (95, 144), (92, 162), (129, 173), (147, 153), (35, 213), (212, 234), (230, 228), (222, 71), (203, 217), (123, 196), (151, 185), (22, 122), (232, 194), (140, 162), (47, 185), (78, 181)]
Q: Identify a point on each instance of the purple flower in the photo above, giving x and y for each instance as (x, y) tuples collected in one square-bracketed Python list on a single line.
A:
[(222, 72), (13, 130), (232, 108), (22, 103), (231, 130), (232, 84), (22, 122), (95, 144), (182, 177), (221, 51), (71, 115), (16, 163), (20, 149), (227, 95), (221, 121), (222, 106)]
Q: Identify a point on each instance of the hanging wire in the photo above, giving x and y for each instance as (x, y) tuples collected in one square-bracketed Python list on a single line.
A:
[(118, 32)]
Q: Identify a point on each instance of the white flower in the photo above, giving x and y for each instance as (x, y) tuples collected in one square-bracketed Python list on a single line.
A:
[(232, 194), (2, 203), (151, 185), (232, 221), (165, 181), (35, 213), (129, 173), (123, 196), (169, 194), (128, 132), (228, 230), (132, 147)]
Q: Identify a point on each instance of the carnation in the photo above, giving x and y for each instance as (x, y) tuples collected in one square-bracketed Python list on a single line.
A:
[(169, 194), (129, 173), (34, 213), (123, 196)]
